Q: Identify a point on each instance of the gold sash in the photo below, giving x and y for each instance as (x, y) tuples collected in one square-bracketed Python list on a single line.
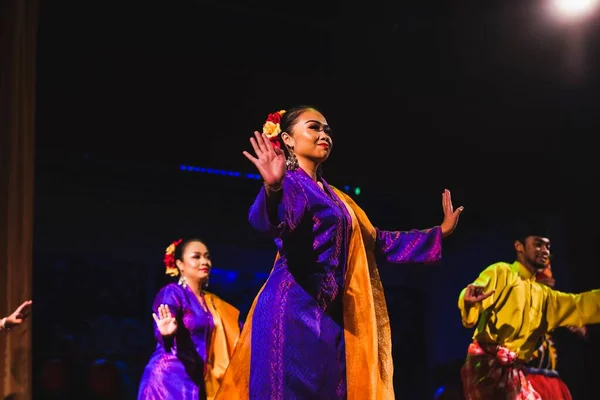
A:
[(369, 368)]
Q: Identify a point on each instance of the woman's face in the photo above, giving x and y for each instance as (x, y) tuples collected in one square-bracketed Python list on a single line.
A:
[(310, 137), (196, 262)]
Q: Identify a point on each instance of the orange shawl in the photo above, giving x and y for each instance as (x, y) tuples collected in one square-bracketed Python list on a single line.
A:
[(369, 367), (224, 338)]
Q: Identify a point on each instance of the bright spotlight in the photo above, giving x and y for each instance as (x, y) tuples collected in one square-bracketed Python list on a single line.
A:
[(574, 8)]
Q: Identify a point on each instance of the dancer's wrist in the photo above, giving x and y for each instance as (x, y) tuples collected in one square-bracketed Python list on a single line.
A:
[(273, 188)]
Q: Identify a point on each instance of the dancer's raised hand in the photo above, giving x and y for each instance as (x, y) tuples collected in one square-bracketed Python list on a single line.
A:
[(474, 294), (450, 214), (165, 322), (269, 161), (18, 316)]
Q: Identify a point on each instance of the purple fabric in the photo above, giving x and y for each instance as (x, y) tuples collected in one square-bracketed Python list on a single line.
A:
[(176, 368), (415, 246), (297, 327)]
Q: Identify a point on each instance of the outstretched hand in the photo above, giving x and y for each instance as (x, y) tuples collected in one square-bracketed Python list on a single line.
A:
[(474, 294), (450, 215), (19, 315), (269, 161), (165, 322), (580, 331)]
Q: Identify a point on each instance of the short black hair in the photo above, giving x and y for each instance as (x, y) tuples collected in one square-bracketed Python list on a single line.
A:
[(530, 227)]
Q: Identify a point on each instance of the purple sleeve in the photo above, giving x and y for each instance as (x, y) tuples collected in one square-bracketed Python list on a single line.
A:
[(172, 297), (290, 210), (415, 246)]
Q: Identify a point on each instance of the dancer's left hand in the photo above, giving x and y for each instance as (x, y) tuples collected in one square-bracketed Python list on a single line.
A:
[(450, 214)]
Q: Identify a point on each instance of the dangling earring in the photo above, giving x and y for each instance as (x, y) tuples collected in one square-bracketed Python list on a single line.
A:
[(292, 161), (182, 281), (206, 283)]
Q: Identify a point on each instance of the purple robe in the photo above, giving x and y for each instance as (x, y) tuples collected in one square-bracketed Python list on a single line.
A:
[(297, 342), (177, 366)]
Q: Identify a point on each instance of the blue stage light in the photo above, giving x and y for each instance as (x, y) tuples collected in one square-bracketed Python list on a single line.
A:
[(254, 176)]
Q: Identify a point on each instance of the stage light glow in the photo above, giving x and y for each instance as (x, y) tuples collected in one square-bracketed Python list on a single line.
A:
[(570, 9), (191, 168)]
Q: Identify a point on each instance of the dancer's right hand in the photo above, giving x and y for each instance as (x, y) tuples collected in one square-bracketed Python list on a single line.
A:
[(166, 324), (474, 294), (18, 315), (269, 161), (578, 330)]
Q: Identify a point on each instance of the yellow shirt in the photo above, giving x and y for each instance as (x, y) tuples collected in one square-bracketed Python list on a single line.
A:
[(521, 310)]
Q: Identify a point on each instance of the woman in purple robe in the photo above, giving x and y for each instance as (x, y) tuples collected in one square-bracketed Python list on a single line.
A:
[(319, 327), (195, 330)]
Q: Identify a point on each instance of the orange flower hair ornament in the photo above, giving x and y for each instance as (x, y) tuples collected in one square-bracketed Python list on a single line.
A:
[(169, 260), (272, 128)]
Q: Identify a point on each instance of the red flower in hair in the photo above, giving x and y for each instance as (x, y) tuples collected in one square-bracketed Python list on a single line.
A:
[(275, 118), (272, 127), (275, 142), (169, 259)]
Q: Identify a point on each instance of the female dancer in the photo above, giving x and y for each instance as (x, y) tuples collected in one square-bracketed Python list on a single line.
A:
[(195, 330), (319, 327)]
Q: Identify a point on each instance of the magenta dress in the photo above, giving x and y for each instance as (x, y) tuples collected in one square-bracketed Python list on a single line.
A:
[(297, 342), (176, 368)]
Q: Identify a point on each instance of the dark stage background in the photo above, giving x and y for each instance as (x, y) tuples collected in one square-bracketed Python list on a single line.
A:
[(493, 100)]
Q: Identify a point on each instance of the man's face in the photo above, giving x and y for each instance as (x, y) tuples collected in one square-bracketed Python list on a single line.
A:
[(536, 251)]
